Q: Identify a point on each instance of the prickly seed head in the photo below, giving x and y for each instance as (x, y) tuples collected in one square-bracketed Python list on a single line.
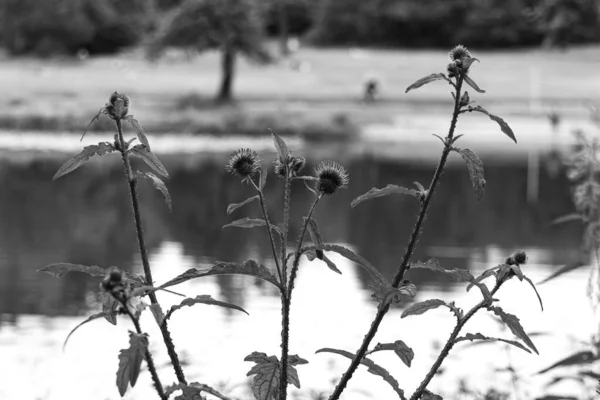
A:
[(331, 177), (459, 52), (118, 106), (243, 163), (520, 257)]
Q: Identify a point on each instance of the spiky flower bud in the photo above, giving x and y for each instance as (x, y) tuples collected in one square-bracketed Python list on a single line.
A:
[(331, 177), (459, 52), (297, 165), (452, 69), (118, 106), (518, 258), (465, 99), (243, 163)]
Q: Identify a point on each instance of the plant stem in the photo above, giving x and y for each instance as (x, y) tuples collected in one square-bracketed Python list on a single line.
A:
[(381, 311), (285, 305), (263, 207), (148, 356), (286, 300), (164, 329), (450, 343)]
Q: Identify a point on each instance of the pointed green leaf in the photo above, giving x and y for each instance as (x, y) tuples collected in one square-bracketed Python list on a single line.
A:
[(387, 294), (485, 274), (89, 319), (232, 207), (568, 218), (97, 116), (282, 150), (427, 395), (578, 358), (158, 185), (535, 290), (157, 313), (265, 385), (312, 255), (479, 336), (389, 189), (109, 307), (350, 255), (139, 131), (422, 307), (250, 268), (130, 361), (263, 177), (246, 223), (563, 270), (59, 269), (514, 325), (197, 388), (88, 152), (472, 83), (475, 167), (503, 125), (517, 271), (149, 159), (405, 353), (203, 299), (373, 368), (425, 80)]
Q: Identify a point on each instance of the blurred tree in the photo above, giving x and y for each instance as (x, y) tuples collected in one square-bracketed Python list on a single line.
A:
[(67, 26), (232, 26)]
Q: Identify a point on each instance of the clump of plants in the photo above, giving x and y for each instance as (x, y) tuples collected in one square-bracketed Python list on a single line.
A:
[(125, 294)]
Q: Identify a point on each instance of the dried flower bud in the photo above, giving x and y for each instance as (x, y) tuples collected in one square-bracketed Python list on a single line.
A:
[(452, 69), (331, 177), (297, 164), (118, 106), (243, 163), (280, 168), (518, 258)]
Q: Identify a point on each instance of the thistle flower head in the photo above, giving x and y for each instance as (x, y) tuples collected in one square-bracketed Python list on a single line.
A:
[(459, 52), (243, 163), (117, 106), (113, 279), (518, 258), (331, 177)]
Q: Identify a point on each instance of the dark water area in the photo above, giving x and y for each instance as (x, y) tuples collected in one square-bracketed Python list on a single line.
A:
[(86, 218)]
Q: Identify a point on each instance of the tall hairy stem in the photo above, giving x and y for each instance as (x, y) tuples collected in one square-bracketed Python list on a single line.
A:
[(398, 278), (285, 305), (144, 253)]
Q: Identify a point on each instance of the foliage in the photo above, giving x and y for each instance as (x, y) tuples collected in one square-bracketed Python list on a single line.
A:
[(66, 27), (125, 294)]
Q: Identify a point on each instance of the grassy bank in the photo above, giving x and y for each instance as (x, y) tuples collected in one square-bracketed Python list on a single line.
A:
[(318, 93)]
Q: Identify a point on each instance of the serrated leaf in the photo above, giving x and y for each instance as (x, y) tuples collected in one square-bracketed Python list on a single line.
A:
[(282, 150), (89, 319), (578, 358), (139, 131), (149, 159), (350, 255), (250, 268), (475, 167), (389, 189), (109, 307), (503, 125), (422, 307), (535, 290), (425, 80), (387, 294), (130, 361), (59, 269), (246, 223), (472, 83), (485, 274), (460, 275), (157, 313), (312, 255), (514, 325), (232, 207), (405, 353), (88, 152), (158, 185), (265, 385), (373, 368), (203, 299), (200, 387), (563, 270), (479, 336)]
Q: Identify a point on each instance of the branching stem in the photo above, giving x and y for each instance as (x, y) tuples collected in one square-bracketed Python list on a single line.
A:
[(144, 253)]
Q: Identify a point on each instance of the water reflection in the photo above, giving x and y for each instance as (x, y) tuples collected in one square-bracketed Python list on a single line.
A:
[(85, 218)]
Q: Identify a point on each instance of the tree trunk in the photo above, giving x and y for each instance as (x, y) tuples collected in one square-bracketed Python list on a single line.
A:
[(283, 29), (228, 55)]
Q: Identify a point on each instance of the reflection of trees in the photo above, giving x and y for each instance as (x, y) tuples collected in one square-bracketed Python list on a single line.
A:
[(84, 218)]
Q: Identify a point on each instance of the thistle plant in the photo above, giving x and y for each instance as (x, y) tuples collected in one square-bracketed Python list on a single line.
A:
[(124, 293)]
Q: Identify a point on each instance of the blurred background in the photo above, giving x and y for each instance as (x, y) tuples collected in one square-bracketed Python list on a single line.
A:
[(206, 77)]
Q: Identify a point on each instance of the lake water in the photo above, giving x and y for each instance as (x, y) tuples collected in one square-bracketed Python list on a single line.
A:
[(86, 218)]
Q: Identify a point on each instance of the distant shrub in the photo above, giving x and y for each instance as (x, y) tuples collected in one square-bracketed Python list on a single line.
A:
[(68, 26)]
